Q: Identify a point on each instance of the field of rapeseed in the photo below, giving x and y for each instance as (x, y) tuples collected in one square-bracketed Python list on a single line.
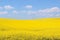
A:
[(40, 29)]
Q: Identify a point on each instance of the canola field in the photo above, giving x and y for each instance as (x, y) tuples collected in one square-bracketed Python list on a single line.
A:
[(35, 29)]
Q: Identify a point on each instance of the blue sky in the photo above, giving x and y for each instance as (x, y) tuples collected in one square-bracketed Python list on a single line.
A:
[(29, 9)]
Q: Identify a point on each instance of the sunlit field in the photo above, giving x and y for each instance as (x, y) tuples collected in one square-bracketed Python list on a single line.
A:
[(35, 29)]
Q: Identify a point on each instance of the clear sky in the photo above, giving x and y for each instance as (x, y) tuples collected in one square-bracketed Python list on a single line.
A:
[(29, 9)]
